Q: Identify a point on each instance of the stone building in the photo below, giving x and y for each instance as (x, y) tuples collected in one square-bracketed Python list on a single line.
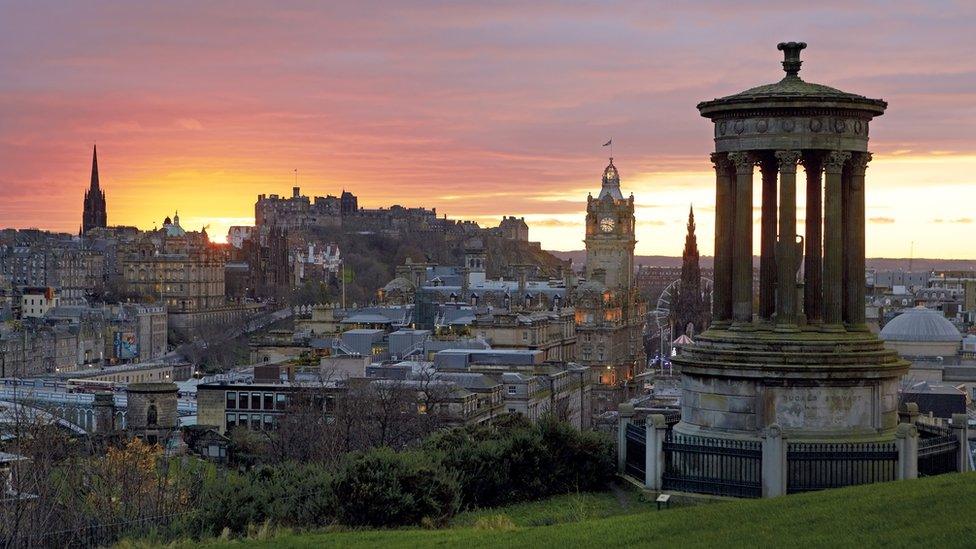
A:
[(300, 212), (609, 312), (178, 269), (514, 228)]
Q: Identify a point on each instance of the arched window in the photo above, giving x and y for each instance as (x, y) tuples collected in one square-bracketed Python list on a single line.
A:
[(151, 415)]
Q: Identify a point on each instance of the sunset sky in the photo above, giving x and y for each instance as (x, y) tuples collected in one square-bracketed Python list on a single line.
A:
[(479, 109)]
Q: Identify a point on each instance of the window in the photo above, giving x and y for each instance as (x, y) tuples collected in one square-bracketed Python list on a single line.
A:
[(512, 389), (255, 401), (268, 422), (281, 401), (231, 400), (231, 421), (242, 401), (268, 401)]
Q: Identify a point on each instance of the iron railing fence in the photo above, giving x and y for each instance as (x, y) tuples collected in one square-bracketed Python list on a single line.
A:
[(937, 455), (716, 466), (819, 466), (635, 465)]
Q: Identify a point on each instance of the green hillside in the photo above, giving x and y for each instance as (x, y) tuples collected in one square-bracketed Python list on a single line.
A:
[(932, 512)]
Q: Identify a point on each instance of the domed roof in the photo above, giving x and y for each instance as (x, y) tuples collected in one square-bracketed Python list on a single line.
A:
[(399, 284), (791, 89), (611, 183), (920, 325)]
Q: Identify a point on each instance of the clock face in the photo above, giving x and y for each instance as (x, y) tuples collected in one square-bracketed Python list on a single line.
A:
[(606, 224)]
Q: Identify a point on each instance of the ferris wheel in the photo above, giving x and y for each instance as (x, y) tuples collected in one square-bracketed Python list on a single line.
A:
[(662, 311), (661, 327)]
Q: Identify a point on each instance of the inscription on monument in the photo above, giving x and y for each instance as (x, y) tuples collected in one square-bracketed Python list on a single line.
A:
[(821, 408)]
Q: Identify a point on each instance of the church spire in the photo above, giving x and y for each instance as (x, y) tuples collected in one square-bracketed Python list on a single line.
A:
[(94, 170), (94, 210)]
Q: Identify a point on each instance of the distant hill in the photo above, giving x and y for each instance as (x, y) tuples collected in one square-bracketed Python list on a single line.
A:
[(578, 257)]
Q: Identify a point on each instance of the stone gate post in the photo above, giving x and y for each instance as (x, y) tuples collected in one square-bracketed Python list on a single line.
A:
[(626, 414), (773, 462), (960, 428), (908, 413), (656, 429), (906, 440)]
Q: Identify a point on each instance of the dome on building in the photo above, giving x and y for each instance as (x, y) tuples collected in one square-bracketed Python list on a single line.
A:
[(398, 284), (611, 183), (791, 89), (172, 226), (920, 325)]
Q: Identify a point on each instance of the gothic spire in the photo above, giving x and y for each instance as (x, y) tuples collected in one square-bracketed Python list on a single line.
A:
[(94, 170)]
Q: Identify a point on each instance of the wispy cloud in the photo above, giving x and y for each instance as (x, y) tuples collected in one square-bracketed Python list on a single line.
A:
[(477, 109)]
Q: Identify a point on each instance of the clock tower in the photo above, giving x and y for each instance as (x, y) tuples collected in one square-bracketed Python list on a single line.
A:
[(610, 236)]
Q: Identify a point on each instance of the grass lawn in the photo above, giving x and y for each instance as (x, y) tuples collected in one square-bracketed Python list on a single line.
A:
[(931, 512), (559, 509)]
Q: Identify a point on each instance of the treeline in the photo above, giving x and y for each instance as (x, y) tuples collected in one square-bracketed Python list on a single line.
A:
[(165, 499)]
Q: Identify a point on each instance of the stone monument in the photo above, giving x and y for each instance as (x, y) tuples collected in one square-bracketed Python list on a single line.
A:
[(152, 411), (805, 360)]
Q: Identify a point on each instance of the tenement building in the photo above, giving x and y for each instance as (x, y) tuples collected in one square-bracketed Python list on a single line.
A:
[(179, 269), (609, 313)]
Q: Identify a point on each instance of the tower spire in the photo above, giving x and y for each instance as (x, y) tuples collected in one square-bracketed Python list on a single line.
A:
[(93, 214), (94, 170)]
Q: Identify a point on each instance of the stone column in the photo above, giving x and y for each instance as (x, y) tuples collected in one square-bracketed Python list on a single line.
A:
[(626, 414), (906, 440), (813, 256), (960, 428), (767, 239), (833, 241), (773, 462), (724, 198), (787, 260), (655, 428), (854, 229), (742, 241)]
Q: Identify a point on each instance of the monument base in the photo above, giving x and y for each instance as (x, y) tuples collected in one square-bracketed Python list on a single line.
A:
[(817, 386)]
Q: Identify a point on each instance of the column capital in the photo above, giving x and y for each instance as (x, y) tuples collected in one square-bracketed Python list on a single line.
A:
[(787, 161), (834, 161), (743, 161), (859, 162), (721, 162), (812, 160)]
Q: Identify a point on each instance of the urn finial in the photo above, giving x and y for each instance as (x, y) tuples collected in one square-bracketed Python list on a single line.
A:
[(791, 56)]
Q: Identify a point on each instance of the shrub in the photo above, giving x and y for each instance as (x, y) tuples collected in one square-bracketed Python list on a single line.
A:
[(288, 494), (385, 488), (579, 460), (516, 460)]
